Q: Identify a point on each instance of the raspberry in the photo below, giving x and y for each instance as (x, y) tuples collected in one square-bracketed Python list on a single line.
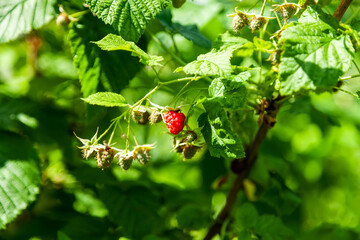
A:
[(140, 117), (189, 151), (189, 137), (155, 117), (240, 20), (125, 161), (256, 23), (174, 121), (105, 156), (178, 3)]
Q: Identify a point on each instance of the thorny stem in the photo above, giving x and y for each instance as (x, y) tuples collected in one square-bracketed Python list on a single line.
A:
[(161, 44), (263, 8), (350, 77), (244, 165), (341, 9), (355, 14), (346, 91)]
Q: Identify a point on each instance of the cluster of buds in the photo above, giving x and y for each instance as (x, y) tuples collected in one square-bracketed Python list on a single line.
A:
[(187, 144), (241, 20), (142, 116), (105, 154), (287, 10), (173, 118)]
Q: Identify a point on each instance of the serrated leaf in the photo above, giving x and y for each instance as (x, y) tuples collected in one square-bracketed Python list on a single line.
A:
[(106, 99), (270, 227), (246, 216), (19, 17), (112, 42), (229, 92), (314, 56), (131, 208), (192, 33), (192, 217), (98, 67), (220, 138), (216, 62), (128, 17), (262, 45), (227, 39), (19, 176)]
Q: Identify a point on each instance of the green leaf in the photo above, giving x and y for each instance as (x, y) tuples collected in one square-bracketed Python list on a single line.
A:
[(228, 40), (128, 17), (220, 138), (19, 17), (358, 93), (106, 99), (192, 33), (314, 56), (135, 210), (114, 42), (192, 217), (20, 176), (98, 67), (214, 63), (230, 92), (246, 216), (270, 227)]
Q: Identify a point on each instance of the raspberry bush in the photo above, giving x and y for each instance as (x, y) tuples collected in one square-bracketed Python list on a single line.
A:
[(175, 119)]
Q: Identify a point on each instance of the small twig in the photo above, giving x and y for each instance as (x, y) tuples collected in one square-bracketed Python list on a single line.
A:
[(341, 9), (242, 167)]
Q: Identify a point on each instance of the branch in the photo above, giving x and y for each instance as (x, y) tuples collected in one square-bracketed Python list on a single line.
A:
[(243, 166), (341, 9)]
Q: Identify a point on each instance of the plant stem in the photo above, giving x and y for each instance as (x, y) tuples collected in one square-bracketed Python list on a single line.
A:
[(341, 9), (263, 8), (246, 163), (161, 44), (355, 14), (350, 77)]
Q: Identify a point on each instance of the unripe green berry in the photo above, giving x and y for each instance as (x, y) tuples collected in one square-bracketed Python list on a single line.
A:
[(239, 21)]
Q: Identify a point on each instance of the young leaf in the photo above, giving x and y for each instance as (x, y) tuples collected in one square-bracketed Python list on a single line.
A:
[(19, 17), (220, 138), (216, 62), (270, 227), (97, 67), (20, 176), (314, 56), (128, 17), (190, 32), (230, 92), (106, 99), (246, 216), (114, 42)]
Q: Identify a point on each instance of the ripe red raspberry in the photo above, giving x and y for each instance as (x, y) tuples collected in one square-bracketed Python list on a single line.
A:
[(174, 121)]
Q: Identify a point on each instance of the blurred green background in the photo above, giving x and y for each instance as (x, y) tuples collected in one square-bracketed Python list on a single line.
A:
[(307, 174)]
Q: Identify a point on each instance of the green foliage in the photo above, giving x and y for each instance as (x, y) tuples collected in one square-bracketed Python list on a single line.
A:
[(113, 42), (95, 66), (106, 99), (219, 136), (128, 17), (20, 176), (21, 16), (314, 54), (190, 32), (276, 95)]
